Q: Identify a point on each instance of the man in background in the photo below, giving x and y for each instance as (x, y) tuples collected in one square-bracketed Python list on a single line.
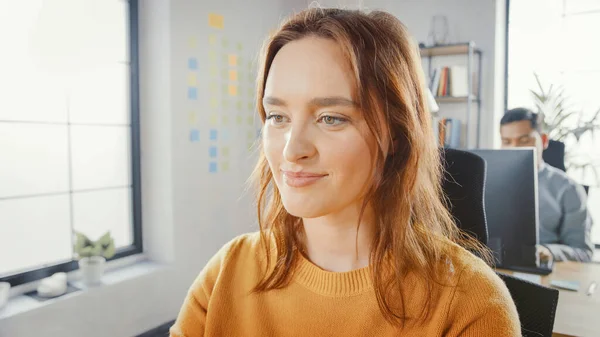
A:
[(565, 223)]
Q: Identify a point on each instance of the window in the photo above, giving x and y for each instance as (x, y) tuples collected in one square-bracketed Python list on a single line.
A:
[(69, 132), (559, 43)]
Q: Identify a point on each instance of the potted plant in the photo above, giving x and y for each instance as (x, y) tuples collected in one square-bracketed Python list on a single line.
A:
[(92, 256), (568, 125)]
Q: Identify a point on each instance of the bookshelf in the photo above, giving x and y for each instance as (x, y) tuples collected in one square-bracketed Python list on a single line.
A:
[(472, 99)]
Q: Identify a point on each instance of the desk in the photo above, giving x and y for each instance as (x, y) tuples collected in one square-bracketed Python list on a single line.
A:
[(576, 314)]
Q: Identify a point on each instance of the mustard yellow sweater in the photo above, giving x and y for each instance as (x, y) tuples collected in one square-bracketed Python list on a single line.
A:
[(322, 303)]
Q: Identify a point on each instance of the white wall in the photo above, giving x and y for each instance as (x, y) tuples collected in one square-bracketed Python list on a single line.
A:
[(481, 21), (188, 213)]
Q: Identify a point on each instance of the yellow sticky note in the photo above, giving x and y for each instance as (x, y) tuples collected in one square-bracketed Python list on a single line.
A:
[(250, 106), (250, 120), (238, 105), (225, 151), (192, 80), (233, 75), (213, 71), (232, 90), (192, 117), (213, 120), (216, 21), (212, 40), (225, 103), (225, 120), (232, 60), (225, 166), (212, 87), (192, 43), (239, 46), (225, 43), (214, 102), (212, 56), (250, 135), (239, 120)]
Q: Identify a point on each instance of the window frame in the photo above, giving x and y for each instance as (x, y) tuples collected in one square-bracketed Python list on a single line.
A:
[(137, 246), (506, 62)]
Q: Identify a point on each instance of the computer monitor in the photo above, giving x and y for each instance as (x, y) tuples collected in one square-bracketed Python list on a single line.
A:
[(511, 206)]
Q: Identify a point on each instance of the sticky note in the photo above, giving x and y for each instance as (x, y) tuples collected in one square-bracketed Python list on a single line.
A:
[(225, 88), (212, 87), (239, 120), (216, 21), (239, 46), (250, 106), (225, 43), (225, 151), (213, 120), (213, 134), (192, 43), (212, 151), (238, 105), (250, 135), (224, 74), (213, 71), (212, 167), (225, 103), (194, 135), (192, 117), (212, 56), (192, 93), (233, 75), (225, 120), (192, 63), (232, 59), (214, 103), (212, 39), (225, 166), (192, 79), (225, 134), (250, 120), (232, 90)]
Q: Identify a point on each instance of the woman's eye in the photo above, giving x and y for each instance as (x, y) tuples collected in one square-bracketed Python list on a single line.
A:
[(331, 120), (276, 119)]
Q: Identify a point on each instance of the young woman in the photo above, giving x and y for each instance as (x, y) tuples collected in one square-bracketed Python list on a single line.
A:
[(355, 238)]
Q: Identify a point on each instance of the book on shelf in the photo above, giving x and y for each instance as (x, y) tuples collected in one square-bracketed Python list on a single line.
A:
[(450, 82), (447, 132)]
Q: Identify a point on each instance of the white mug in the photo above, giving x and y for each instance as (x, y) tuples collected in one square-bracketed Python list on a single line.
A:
[(4, 289)]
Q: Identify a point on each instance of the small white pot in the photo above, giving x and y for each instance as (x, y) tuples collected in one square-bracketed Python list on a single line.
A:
[(4, 289), (92, 269)]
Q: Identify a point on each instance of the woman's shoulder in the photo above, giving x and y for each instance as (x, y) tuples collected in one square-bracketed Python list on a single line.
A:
[(245, 246)]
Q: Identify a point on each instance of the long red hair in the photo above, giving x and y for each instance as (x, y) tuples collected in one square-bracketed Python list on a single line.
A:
[(414, 230)]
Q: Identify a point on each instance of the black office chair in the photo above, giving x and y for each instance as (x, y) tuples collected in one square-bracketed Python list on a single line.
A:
[(554, 156), (535, 304), (464, 185)]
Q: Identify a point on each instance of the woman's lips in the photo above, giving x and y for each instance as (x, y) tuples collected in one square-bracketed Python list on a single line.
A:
[(301, 179)]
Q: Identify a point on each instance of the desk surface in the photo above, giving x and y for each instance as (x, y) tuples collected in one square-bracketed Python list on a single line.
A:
[(576, 314)]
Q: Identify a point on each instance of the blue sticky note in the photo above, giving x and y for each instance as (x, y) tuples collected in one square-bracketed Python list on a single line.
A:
[(212, 151), (192, 63), (212, 167), (192, 93), (213, 134), (225, 134), (194, 135)]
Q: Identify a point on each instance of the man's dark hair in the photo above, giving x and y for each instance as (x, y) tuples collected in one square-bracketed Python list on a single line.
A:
[(522, 114)]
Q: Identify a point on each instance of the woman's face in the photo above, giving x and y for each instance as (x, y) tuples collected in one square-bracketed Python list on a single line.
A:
[(315, 138)]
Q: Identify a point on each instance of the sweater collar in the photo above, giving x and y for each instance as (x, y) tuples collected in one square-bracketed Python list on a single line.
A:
[(332, 284)]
